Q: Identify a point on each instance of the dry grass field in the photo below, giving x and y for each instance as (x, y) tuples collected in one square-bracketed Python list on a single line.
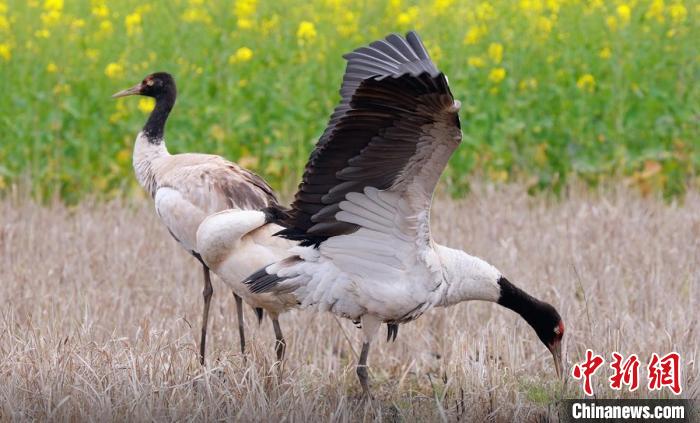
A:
[(100, 315)]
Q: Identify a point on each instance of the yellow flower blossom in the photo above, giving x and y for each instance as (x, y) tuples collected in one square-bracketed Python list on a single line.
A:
[(534, 6), (605, 53), (244, 23), (100, 10), (132, 22), (611, 22), (624, 12), (50, 17), (146, 104), (441, 6), (245, 8), (53, 5), (114, 70), (92, 54), (306, 31), (678, 12), (484, 11), (196, 14), (4, 23), (496, 52), (42, 33), (475, 34), (76, 24), (497, 75), (106, 27), (51, 68), (586, 82), (5, 51), (243, 54), (656, 10), (408, 17), (476, 62), (528, 84), (544, 26)]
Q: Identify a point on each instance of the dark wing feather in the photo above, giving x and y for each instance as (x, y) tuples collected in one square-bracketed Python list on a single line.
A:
[(393, 96)]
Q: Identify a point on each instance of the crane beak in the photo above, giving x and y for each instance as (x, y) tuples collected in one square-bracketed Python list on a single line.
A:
[(136, 89), (555, 349)]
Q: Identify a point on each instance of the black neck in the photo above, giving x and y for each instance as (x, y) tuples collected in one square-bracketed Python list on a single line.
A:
[(514, 298), (155, 125)]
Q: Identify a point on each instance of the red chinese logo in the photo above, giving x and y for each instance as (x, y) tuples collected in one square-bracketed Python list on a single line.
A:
[(587, 369), (665, 371), (626, 372), (661, 371)]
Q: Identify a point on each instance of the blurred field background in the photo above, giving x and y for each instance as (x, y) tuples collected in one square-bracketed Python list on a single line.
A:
[(551, 89), (95, 326)]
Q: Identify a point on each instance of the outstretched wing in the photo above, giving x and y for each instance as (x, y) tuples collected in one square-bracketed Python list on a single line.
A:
[(395, 127)]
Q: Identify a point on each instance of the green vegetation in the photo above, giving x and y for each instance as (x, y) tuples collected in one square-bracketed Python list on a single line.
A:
[(549, 88)]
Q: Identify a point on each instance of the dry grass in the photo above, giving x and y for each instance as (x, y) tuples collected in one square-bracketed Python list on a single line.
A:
[(100, 311)]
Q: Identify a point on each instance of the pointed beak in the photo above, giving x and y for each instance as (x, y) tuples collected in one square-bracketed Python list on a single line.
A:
[(136, 89), (555, 349)]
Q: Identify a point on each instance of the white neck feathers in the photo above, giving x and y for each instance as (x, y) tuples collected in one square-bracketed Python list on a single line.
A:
[(145, 153), (467, 277)]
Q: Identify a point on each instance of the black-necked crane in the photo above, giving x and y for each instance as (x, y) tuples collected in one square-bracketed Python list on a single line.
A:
[(233, 244), (187, 188), (361, 215)]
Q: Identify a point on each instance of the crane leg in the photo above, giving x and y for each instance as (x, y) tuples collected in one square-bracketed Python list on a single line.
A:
[(361, 369), (206, 293), (281, 344), (241, 328)]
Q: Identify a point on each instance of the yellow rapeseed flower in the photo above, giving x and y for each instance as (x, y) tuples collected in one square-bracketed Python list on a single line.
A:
[(544, 25), (611, 22), (476, 62), (196, 14), (244, 23), (76, 24), (408, 17), (5, 51), (586, 83), (106, 27), (132, 22), (496, 52), (497, 75), (51, 68), (528, 84), (50, 17), (100, 10), (656, 10), (114, 70), (678, 12), (4, 23), (53, 5), (441, 6), (605, 53), (306, 31), (146, 104), (243, 54), (475, 34), (624, 12), (42, 33)]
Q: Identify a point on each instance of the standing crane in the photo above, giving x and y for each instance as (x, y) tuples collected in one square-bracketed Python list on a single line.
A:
[(361, 215), (188, 187)]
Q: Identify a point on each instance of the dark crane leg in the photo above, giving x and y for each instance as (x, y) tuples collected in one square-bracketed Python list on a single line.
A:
[(281, 344), (362, 373), (206, 293), (241, 329)]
